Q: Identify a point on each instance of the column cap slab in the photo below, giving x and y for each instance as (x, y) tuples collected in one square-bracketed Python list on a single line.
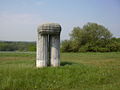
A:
[(49, 28)]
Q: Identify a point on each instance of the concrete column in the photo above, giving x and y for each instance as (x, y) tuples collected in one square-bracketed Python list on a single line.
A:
[(42, 50), (55, 50)]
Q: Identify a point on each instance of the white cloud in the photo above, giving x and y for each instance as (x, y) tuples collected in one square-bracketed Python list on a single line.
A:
[(16, 18), (18, 26)]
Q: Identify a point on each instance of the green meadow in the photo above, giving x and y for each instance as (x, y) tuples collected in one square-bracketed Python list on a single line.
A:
[(78, 71)]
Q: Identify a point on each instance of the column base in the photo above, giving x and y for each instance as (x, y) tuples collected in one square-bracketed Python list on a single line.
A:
[(40, 63), (55, 63)]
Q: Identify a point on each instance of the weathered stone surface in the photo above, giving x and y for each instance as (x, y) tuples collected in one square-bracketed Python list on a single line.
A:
[(49, 28), (55, 50), (42, 51), (48, 45)]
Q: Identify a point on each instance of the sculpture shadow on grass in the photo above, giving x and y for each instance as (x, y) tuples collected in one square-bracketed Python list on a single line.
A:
[(66, 63)]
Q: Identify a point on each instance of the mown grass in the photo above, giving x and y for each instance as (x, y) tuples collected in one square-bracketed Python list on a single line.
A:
[(78, 71)]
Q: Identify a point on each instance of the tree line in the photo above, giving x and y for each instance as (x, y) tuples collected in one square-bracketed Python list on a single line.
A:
[(92, 37), (17, 46)]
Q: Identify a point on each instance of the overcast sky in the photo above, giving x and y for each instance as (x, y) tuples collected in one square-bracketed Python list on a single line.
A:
[(19, 19)]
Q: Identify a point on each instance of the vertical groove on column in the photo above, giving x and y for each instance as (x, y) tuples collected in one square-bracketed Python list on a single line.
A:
[(49, 50)]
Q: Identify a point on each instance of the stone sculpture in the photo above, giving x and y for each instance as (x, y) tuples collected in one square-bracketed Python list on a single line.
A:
[(48, 45)]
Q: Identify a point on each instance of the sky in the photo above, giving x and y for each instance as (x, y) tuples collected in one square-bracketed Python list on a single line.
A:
[(19, 19)]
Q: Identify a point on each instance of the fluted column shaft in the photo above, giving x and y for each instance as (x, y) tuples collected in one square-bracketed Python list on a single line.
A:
[(42, 50), (55, 50)]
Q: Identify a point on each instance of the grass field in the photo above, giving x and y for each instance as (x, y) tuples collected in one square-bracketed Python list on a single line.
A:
[(78, 71)]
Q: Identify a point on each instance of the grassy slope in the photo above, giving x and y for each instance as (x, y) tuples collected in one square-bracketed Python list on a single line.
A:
[(79, 71)]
